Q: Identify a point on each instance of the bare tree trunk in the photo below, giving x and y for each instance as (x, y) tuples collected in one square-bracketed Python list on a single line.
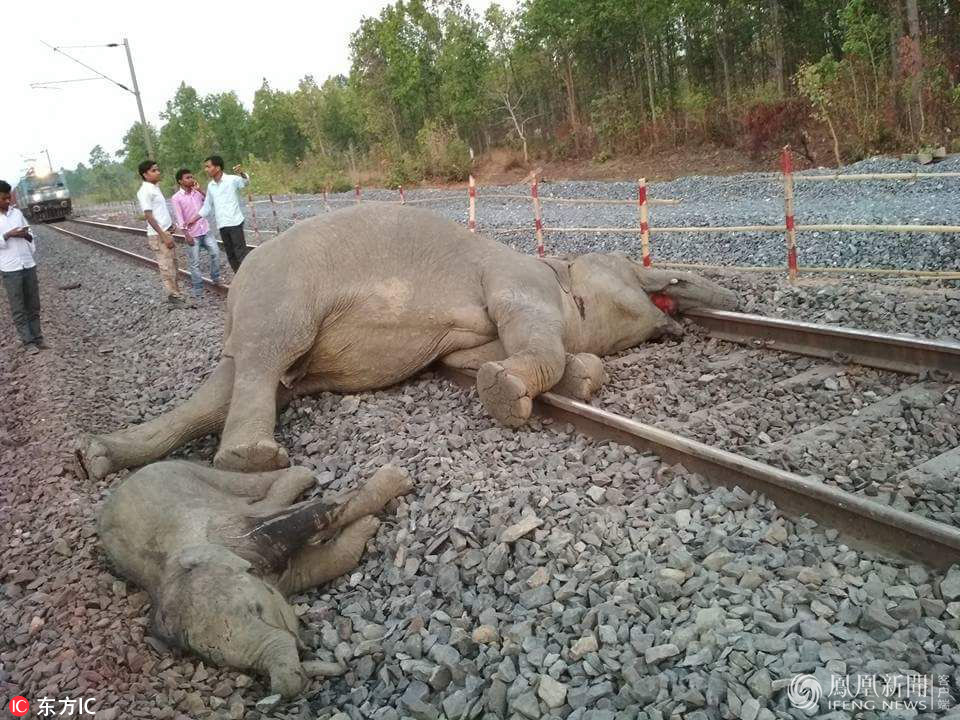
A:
[(913, 23), (572, 115), (648, 62), (727, 94), (896, 32), (777, 35)]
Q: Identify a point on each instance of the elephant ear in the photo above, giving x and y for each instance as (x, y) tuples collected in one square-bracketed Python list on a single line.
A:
[(210, 554), (561, 268)]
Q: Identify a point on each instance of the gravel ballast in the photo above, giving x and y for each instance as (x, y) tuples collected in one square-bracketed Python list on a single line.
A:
[(738, 200), (531, 573)]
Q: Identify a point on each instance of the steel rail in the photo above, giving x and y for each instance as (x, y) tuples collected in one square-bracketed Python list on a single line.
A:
[(861, 347), (861, 522), (130, 230), (900, 353)]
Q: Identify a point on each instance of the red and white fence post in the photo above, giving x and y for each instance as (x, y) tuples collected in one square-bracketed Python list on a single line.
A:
[(273, 207), (472, 221), (644, 220), (403, 200), (293, 209), (253, 216), (786, 161), (356, 192), (537, 219)]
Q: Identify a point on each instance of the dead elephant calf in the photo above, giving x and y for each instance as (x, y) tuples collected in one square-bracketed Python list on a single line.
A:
[(220, 551)]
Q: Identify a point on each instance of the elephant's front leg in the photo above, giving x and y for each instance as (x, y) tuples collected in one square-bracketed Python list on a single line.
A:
[(583, 375), (531, 331), (248, 443)]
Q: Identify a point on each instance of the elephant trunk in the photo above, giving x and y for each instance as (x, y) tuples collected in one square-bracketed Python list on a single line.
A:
[(279, 659)]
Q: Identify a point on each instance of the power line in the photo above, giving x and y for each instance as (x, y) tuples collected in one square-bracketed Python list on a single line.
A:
[(88, 67)]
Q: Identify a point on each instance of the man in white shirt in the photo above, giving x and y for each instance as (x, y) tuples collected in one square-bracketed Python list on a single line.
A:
[(159, 227), (19, 272), (224, 201)]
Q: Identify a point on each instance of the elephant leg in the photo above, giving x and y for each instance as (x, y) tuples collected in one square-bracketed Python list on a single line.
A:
[(473, 358), (263, 377), (314, 565), (582, 376), (277, 536), (532, 338), (266, 491), (203, 413)]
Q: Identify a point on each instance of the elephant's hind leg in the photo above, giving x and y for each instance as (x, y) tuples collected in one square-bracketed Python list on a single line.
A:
[(582, 377), (317, 564), (203, 413)]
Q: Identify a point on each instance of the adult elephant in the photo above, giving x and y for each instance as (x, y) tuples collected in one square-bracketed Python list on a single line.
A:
[(368, 296)]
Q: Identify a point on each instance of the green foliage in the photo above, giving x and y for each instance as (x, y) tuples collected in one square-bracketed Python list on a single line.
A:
[(443, 154), (430, 79), (818, 83), (274, 130)]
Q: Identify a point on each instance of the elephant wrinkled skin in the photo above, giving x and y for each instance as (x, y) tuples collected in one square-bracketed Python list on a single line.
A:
[(368, 296), (218, 552)]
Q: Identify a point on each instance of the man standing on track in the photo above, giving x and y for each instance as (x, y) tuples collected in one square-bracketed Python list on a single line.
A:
[(19, 272), (223, 199), (187, 202), (159, 227)]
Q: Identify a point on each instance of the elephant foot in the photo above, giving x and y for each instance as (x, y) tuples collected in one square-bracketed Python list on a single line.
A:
[(93, 458), (582, 377), (388, 483), (355, 535), (503, 395), (258, 456)]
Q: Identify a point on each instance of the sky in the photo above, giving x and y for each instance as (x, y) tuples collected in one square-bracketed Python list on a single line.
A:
[(213, 46)]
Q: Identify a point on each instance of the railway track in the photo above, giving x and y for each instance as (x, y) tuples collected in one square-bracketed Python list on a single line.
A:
[(861, 521)]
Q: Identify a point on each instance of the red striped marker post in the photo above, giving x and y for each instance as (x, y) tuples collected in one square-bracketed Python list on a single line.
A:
[(537, 220), (644, 220), (356, 191), (273, 207), (786, 161), (403, 200), (293, 208), (253, 215), (472, 221)]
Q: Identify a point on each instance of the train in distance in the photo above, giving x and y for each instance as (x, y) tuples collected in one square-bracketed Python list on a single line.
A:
[(42, 198)]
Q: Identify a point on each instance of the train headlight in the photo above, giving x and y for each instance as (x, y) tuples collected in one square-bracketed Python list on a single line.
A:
[(36, 197), (61, 194)]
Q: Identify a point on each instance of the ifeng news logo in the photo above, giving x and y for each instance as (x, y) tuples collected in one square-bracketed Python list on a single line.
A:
[(884, 692)]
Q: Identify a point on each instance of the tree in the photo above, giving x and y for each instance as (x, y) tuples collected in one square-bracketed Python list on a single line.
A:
[(133, 149), (274, 132), (229, 123), (186, 135)]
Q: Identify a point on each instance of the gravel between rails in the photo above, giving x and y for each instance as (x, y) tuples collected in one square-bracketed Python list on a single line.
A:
[(640, 593)]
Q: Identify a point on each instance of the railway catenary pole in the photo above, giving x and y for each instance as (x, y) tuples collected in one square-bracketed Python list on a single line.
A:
[(136, 94)]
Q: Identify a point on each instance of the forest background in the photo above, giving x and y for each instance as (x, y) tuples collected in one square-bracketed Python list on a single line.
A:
[(436, 92)]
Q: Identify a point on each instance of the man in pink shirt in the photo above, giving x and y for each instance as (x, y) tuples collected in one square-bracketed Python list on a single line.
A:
[(187, 202)]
